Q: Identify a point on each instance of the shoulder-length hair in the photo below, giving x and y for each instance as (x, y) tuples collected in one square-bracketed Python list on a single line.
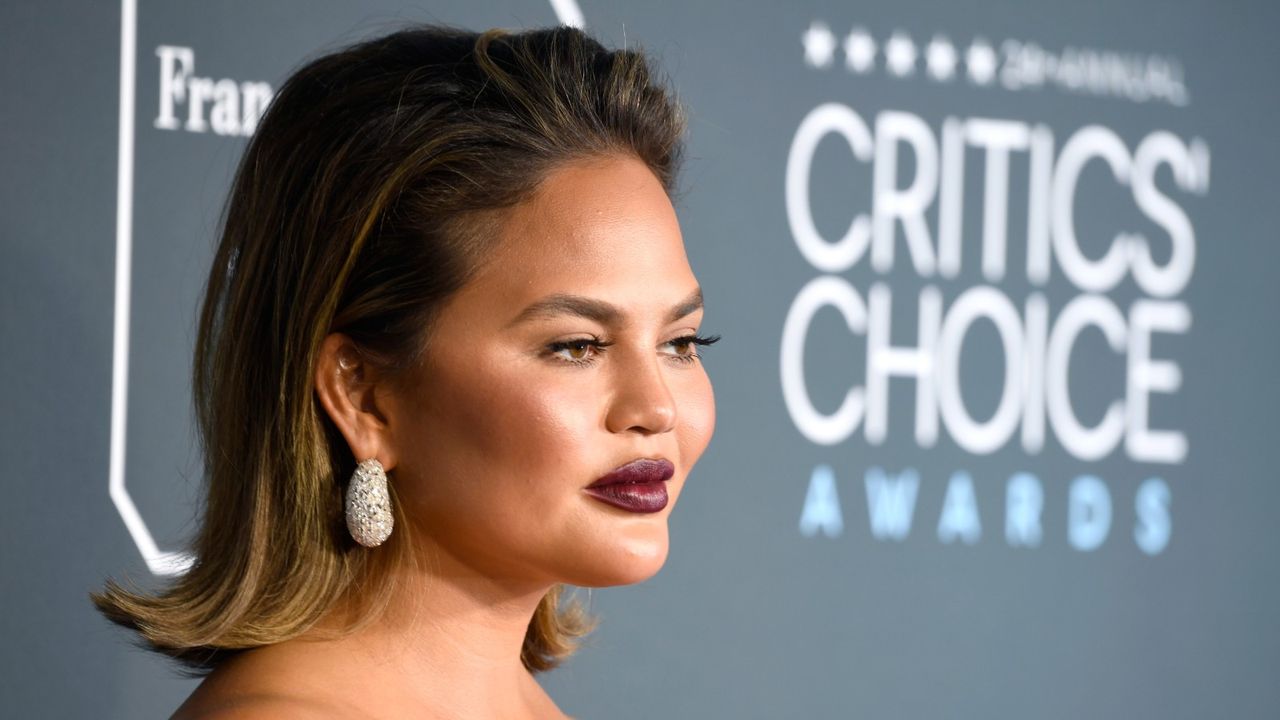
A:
[(366, 197)]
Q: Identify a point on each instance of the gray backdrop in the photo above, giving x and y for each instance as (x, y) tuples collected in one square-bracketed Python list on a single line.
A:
[(1004, 449)]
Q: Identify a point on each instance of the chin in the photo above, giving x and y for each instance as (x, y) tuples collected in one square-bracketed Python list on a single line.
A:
[(632, 563)]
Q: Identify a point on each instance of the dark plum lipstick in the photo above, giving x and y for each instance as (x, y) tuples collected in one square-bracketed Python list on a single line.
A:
[(640, 486)]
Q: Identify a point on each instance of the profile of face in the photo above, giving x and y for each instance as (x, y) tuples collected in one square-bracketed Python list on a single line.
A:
[(565, 357)]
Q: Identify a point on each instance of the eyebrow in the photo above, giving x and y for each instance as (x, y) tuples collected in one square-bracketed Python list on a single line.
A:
[(598, 310)]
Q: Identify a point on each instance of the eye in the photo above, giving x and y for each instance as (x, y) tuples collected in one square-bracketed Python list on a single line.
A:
[(686, 352), (582, 351)]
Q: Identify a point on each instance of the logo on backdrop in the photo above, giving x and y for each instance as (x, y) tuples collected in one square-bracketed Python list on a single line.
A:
[(1036, 338), (224, 106)]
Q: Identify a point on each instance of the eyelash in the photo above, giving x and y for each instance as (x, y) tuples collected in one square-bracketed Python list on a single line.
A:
[(600, 345)]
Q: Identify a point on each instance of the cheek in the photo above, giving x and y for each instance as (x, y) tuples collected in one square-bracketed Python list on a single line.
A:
[(542, 428), (504, 405), (697, 413), (497, 440), (495, 457)]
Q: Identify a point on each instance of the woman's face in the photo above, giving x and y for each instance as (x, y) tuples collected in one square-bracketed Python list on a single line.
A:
[(504, 429)]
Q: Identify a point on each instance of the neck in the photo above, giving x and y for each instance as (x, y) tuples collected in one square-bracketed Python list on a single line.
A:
[(450, 640)]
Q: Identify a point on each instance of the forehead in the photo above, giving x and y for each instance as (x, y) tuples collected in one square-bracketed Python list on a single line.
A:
[(592, 208), (602, 227)]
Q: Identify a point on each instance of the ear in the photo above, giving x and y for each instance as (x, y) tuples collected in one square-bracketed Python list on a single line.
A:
[(351, 392)]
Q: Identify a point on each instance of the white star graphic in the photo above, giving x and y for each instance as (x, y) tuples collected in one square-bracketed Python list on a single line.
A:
[(900, 54), (981, 61), (941, 58), (819, 45), (859, 51)]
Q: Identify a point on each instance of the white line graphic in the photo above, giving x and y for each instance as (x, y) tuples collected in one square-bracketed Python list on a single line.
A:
[(568, 13), (158, 561)]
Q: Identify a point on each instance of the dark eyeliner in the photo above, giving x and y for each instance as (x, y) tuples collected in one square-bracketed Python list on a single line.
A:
[(596, 343), (700, 340), (692, 340)]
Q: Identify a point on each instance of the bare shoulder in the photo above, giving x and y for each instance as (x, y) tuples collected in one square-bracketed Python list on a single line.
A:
[(257, 686), (256, 707)]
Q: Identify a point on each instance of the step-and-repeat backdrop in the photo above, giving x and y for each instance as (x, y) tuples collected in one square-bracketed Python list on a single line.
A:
[(997, 389)]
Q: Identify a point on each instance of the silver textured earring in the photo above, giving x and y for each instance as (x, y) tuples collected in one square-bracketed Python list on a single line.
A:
[(368, 504)]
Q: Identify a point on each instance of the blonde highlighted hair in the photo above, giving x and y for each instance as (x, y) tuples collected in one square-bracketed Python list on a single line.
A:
[(366, 197)]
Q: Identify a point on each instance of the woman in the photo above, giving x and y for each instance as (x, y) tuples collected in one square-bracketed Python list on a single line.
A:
[(447, 363)]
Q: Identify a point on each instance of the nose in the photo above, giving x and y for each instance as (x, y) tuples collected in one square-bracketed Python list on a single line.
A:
[(642, 402)]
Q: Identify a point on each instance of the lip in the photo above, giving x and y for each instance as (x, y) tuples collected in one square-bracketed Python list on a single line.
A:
[(639, 486)]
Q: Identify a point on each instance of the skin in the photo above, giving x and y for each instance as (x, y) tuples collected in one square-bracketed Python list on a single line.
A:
[(489, 446)]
